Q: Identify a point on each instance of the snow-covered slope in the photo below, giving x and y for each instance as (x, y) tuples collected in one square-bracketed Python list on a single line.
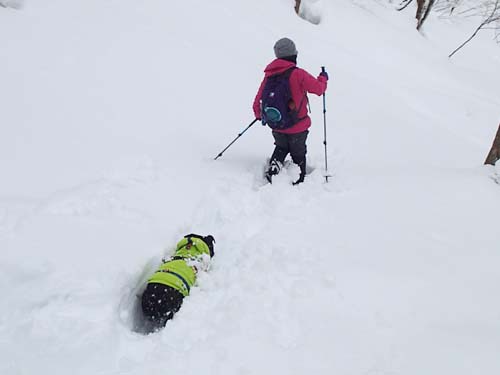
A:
[(112, 114)]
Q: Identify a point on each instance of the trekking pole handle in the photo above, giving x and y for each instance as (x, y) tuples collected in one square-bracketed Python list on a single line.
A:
[(324, 106)]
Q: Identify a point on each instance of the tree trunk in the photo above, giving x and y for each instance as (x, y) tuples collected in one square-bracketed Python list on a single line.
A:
[(494, 154), (423, 11), (297, 6), (420, 10)]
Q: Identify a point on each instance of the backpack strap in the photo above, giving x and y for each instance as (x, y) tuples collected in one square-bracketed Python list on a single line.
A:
[(287, 73), (304, 97)]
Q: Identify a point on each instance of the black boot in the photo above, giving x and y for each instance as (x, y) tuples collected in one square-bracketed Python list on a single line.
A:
[(302, 166)]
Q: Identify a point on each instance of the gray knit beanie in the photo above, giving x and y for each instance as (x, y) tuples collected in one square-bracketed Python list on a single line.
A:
[(285, 47)]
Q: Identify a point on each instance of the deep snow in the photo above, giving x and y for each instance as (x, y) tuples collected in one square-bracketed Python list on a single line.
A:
[(112, 114)]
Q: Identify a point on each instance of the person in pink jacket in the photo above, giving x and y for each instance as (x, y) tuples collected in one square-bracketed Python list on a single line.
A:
[(291, 140)]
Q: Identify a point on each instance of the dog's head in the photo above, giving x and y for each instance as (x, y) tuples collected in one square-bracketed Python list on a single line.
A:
[(209, 240)]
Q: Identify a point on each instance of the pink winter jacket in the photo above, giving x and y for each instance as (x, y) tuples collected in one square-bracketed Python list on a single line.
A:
[(301, 83)]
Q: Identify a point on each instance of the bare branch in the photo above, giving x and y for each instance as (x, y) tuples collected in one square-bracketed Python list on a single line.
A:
[(493, 16), (467, 41), (404, 4)]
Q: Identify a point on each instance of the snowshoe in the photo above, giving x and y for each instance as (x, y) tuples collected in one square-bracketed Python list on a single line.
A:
[(274, 169)]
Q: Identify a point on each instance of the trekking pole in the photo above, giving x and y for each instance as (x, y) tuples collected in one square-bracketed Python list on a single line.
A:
[(324, 127), (239, 135)]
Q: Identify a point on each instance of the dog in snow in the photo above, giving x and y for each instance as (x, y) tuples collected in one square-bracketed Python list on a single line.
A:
[(172, 282)]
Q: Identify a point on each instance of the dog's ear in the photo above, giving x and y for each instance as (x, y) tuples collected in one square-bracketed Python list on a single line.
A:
[(210, 240)]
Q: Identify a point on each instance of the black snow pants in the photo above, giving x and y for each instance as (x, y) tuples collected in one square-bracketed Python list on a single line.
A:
[(293, 144), (159, 304)]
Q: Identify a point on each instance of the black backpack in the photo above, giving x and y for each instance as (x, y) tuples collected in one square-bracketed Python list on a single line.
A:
[(278, 108)]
